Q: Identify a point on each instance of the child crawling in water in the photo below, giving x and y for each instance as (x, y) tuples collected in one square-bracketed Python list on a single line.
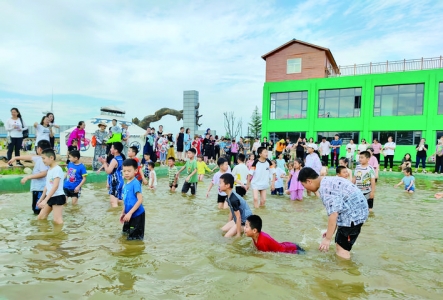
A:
[(264, 242)]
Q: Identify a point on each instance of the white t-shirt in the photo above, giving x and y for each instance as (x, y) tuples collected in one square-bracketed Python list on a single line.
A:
[(278, 179), (152, 179), (42, 133), (353, 147), (216, 182), (261, 171), (53, 173), (389, 151), (39, 166), (324, 148), (240, 172), (14, 128), (362, 147)]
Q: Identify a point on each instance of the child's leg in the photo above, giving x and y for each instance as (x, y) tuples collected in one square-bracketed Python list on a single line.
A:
[(58, 214), (293, 195), (228, 225), (74, 200), (262, 197), (342, 252), (44, 212), (299, 195), (225, 205), (113, 200), (255, 195), (200, 177)]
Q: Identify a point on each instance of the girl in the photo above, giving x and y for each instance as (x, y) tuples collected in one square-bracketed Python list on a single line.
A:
[(250, 160), (43, 131), (408, 181), (295, 187), (373, 162), (344, 162), (196, 144), (52, 124), (271, 149), (15, 127), (201, 168), (171, 152), (75, 138), (281, 163), (163, 151), (406, 162)]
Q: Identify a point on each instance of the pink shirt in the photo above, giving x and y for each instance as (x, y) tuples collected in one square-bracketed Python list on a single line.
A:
[(373, 162), (76, 134), (377, 148)]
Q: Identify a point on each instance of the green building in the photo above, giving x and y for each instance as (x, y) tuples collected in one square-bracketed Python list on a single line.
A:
[(306, 94)]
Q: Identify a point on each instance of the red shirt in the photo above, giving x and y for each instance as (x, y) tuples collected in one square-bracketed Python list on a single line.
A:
[(266, 243), (197, 145), (138, 175)]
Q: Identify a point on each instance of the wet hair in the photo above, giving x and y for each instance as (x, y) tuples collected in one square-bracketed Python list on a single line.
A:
[(44, 144), (255, 222), (339, 169), (171, 158), (408, 170), (134, 149), (228, 179), (192, 150), (307, 173), (241, 157), (75, 153), (130, 163), (151, 164), (118, 146), (80, 124), (49, 153), (19, 115), (53, 117), (221, 161), (366, 154), (260, 150), (42, 122)]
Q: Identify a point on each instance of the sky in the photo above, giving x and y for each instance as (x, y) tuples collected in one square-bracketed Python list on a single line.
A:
[(142, 55)]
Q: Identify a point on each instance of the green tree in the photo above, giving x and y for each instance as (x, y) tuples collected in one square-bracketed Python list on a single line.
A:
[(1, 123), (255, 124)]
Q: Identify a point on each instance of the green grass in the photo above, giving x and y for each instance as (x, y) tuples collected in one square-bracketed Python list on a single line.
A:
[(12, 171)]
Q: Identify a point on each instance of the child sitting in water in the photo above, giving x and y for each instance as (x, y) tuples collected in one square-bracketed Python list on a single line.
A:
[(264, 242), (408, 181), (406, 162)]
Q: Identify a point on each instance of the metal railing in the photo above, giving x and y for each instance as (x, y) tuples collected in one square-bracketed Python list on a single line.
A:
[(390, 66)]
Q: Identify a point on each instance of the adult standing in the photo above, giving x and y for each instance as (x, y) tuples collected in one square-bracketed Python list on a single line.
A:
[(335, 152), (101, 136), (216, 148), (43, 131), (115, 133), (439, 156), (246, 147), (187, 139), (300, 149), (376, 146), (388, 151), (325, 150), (51, 125), (421, 149), (255, 146), (212, 142), (241, 145), (271, 149), (279, 147), (180, 143), (265, 143), (75, 139), (149, 144), (206, 147), (362, 147), (15, 127)]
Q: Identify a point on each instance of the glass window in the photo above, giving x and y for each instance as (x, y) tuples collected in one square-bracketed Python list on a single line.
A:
[(293, 66), (406, 138), (291, 105), (440, 99), (345, 136), (399, 100), (293, 136), (339, 103)]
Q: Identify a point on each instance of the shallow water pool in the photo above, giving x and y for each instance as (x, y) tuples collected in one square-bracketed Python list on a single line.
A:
[(184, 255)]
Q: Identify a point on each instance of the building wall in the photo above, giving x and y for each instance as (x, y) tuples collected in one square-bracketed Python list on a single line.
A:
[(190, 101), (428, 123), (313, 63)]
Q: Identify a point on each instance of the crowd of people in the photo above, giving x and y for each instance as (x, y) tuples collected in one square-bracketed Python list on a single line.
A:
[(261, 166)]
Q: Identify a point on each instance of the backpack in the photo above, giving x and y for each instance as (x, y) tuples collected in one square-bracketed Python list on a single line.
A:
[(93, 141)]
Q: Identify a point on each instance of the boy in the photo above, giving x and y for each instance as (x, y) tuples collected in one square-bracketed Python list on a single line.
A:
[(133, 212), (53, 197), (38, 176), (263, 241), (279, 175), (240, 173), (342, 172), (147, 158), (191, 169), (346, 206), (132, 153), (172, 172), (364, 178), (75, 177), (259, 175), (312, 159), (114, 170), (239, 209), (152, 176), (221, 199)]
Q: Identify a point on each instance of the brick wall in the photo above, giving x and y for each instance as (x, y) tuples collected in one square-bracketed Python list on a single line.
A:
[(313, 63)]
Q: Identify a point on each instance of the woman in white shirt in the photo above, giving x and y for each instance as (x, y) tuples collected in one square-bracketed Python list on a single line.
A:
[(362, 147), (15, 127), (42, 130), (388, 151), (51, 125)]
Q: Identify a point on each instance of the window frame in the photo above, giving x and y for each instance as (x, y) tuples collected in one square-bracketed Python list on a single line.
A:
[(416, 136), (294, 63), (378, 100), (303, 108), (440, 98), (322, 102)]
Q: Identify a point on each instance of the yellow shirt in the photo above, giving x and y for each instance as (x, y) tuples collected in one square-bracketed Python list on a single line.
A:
[(201, 167)]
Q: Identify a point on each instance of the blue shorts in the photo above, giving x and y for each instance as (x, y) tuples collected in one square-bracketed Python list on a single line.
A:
[(412, 188)]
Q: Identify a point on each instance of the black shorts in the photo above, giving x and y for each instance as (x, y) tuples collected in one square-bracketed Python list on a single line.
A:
[(277, 191), (187, 186), (57, 200), (135, 228), (346, 236), (35, 197), (71, 193), (370, 200), (221, 199), (240, 190), (173, 185)]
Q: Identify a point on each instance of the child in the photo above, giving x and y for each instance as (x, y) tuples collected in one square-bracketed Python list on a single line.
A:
[(172, 172), (406, 162), (342, 172), (264, 242), (53, 197), (114, 171), (163, 151), (152, 176), (132, 154), (191, 169), (324, 168), (259, 175), (343, 161), (147, 158), (408, 181), (280, 162), (38, 176), (196, 144), (240, 173), (373, 162), (221, 199), (201, 167), (133, 212), (364, 178), (75, 177), (350, 157), (296, 188), (279, 175), (345, 205), (250, 161), (239, 209)]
